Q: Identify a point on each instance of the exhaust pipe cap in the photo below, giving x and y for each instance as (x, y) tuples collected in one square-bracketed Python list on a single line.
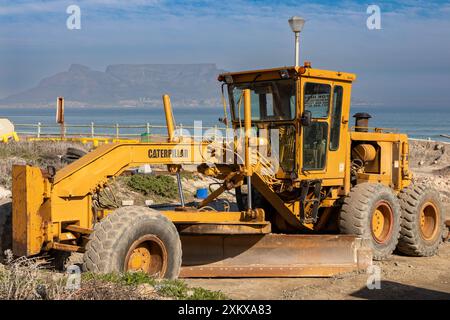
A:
[(362, 115), (362, 121)]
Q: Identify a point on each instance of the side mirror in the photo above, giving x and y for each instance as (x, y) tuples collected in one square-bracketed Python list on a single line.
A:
[(306, 118)]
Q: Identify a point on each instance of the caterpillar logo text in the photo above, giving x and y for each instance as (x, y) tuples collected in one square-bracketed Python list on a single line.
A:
[(168, 153)]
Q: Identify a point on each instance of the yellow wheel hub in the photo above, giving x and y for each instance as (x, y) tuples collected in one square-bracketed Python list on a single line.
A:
[(377, 223), (429, 221), (139, 260), (147, 254), (381, 224)]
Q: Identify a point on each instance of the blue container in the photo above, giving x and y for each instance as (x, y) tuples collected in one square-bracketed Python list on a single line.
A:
[(202, 193)]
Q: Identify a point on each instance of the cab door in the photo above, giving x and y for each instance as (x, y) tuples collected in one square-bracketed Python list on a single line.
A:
[(323, 144)]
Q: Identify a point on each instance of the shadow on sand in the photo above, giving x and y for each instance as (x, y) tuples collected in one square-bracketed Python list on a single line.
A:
[(398, 291)]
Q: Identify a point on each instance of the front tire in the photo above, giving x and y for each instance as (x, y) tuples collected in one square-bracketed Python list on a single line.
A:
[(372, 211), (134, 239), (423, 221)]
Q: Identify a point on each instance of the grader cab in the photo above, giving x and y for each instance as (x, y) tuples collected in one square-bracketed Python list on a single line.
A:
[(316, 195)]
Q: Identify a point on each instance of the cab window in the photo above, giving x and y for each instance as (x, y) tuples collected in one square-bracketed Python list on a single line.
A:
[(336, 114), (271, 100), (315, 137), (317, 99)]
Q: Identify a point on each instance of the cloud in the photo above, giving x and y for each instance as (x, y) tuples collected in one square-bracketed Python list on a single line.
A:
[(235, 34), (230, 8), (28, 7)]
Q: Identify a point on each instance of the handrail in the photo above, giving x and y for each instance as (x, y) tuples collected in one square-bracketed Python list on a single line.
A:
[(97, 130)]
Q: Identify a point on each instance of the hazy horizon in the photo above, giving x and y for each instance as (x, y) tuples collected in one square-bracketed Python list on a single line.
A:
[(405, 63)]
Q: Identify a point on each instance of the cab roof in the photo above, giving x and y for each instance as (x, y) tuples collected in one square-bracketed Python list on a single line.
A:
[(284, 73)]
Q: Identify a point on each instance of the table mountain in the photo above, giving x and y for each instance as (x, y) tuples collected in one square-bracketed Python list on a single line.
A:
[(126, 84)]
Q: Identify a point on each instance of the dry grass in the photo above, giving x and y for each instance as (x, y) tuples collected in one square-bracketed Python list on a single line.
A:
[(30, 279), (38, 153), (24, 279)]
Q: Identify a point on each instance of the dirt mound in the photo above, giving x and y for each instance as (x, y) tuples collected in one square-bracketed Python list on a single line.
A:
[(423, 153), (430, 163)]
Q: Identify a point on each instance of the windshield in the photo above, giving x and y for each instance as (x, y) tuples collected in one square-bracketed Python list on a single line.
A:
[(271, 100)]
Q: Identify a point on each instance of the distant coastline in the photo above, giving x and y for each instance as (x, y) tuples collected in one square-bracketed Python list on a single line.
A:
[(124, 85), (70, 105)]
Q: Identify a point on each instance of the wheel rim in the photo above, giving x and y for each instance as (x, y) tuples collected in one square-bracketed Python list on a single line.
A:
[(382, 219), (429, 221), (147, 254)]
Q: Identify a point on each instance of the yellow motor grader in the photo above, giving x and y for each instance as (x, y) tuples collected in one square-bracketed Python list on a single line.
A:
[(316, 195)]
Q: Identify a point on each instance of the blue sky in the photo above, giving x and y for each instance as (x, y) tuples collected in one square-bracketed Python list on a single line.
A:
[(406, 63)]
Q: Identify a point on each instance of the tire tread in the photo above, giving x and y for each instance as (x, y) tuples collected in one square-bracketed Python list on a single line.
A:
[(103, 241)]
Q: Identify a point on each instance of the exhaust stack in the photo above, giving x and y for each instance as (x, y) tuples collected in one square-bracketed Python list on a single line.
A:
[(362, 121)]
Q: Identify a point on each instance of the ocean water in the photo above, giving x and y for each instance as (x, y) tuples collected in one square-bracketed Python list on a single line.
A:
[(123, 116), (421, 123)]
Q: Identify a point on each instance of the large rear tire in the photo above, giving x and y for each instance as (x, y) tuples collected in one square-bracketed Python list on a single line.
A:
[(423, 221), (5, 227), (76, 152), (134, 239), (72, 155), (372, 211)]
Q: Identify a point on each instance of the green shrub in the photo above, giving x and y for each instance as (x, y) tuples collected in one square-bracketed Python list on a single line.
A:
[(163, 186), (176, 289), (128, 278)]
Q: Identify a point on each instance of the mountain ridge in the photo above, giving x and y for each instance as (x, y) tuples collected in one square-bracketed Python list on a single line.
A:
[(126, 85)]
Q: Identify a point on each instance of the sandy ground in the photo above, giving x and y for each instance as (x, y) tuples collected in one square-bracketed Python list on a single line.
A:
[(401, 278)]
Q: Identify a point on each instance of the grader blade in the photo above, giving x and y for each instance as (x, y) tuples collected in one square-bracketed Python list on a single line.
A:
[(272, 255)]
